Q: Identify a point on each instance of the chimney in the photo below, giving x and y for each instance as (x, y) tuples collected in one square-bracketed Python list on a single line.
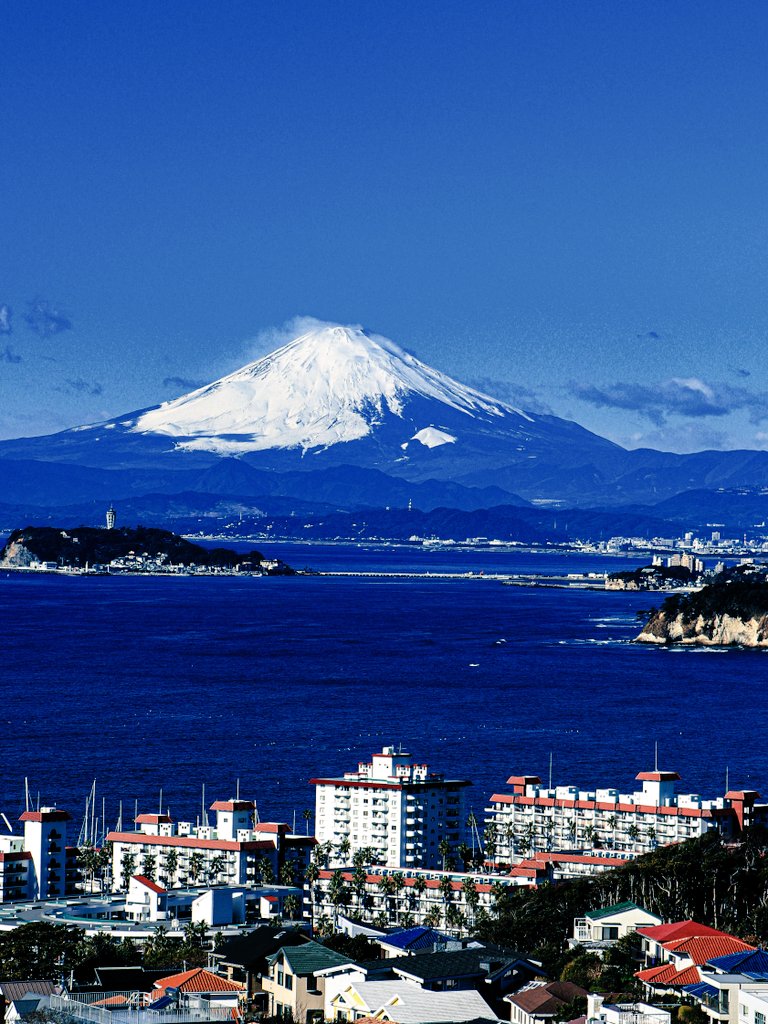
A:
[(594, 1005)]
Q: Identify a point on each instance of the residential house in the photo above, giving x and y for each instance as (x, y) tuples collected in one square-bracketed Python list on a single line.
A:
[(296, 978), (538, 1002), (601, 928), (406, 1003)]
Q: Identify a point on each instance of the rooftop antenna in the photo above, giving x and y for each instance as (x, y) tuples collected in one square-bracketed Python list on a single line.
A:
[(550, 769), (38, 800)]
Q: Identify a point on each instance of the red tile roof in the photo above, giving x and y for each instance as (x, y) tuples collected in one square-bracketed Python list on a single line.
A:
[(233, 805), (197, 980), (669, 976), (702, 948), (45, 816), (273, 826), (148, 883), (657, 777), (677, 930), (153, 819)]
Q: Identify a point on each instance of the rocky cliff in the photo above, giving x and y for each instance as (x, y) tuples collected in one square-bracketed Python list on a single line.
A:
[(731, 612), (706, 631)]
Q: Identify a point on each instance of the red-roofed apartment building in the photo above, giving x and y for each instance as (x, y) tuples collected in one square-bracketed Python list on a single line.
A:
[(534, 817), (39, 864), (227, 853), (393, 805)]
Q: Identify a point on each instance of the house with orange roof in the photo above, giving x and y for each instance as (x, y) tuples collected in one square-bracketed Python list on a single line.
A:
[(197, 989), (686, 942)]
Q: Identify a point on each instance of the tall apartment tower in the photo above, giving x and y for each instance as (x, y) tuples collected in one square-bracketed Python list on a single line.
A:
[(393, 805), (111, 518), (45, 839)]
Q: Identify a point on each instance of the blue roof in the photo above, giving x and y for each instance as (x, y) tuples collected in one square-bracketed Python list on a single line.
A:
[(752, 962), (415, 938), (701, 989)]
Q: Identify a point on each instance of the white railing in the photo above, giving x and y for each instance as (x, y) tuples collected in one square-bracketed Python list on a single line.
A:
[(82, 1005)]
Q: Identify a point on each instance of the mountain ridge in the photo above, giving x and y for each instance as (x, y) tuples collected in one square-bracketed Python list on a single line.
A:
[(337, 399)]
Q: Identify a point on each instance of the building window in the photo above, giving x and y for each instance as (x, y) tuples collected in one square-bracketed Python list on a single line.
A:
[(759, 1017)]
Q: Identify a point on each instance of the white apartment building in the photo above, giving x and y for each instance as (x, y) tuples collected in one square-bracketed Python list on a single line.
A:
[(39, 864), (535, 818), (394, 806), (228, 853)]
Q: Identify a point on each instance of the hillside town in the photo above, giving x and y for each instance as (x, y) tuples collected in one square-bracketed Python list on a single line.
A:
[(399, 904)]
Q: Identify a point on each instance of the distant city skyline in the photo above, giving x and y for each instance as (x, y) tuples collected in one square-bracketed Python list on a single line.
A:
[(560, 204)]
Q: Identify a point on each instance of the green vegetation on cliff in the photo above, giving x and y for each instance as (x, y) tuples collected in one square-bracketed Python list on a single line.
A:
[(741, 592)]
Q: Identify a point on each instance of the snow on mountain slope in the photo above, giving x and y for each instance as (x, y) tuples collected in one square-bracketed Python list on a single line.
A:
[(332, 384)]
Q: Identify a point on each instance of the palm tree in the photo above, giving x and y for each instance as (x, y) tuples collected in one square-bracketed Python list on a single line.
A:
[(612, 821), (444, 849), (338, 894), (343, 849), (265, 871), (170, 866), (287, 873), (215, 869), (454, 917), (499, 895), (491, 837), (311, 876), (127, 868), (446, 891), (196, 864), (148, 866), (88, 861), (306, 815), (291, 905), (469, 891)]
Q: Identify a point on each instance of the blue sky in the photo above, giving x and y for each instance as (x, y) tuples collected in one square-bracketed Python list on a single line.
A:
[(564, 202)]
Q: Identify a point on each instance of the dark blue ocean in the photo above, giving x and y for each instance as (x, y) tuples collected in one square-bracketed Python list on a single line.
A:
[(143, 683)]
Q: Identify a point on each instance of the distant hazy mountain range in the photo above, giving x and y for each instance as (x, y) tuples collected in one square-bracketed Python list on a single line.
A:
[(340, 419)]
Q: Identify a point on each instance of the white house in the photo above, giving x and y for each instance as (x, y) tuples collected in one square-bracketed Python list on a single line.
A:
[(601, 928), (146, 900)]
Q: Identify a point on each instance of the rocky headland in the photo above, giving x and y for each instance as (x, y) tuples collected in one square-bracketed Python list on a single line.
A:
[(731, 612)]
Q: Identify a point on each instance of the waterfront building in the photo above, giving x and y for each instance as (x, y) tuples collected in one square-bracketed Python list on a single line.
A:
[(535, 818), (406, 814), (111, 518), (38, 864), (235, 851)]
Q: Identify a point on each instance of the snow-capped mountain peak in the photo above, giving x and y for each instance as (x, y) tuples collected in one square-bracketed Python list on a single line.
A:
[(332, 384)]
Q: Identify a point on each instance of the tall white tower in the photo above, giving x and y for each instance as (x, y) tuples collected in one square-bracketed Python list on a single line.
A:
[(111, 518)]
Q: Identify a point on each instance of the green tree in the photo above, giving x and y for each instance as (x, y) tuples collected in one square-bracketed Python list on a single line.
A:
[(343, 849), (444, 849), (127, 868), (196, 865), (307, 816), (291, 905), (169, 866), (265, 871), (149, 866), (287, 873), (215, 869)]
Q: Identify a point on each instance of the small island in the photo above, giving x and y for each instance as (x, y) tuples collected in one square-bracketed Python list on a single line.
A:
[(90, 550), (731, 612)]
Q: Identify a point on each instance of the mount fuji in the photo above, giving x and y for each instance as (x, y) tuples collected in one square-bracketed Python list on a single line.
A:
[(347, 418)]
